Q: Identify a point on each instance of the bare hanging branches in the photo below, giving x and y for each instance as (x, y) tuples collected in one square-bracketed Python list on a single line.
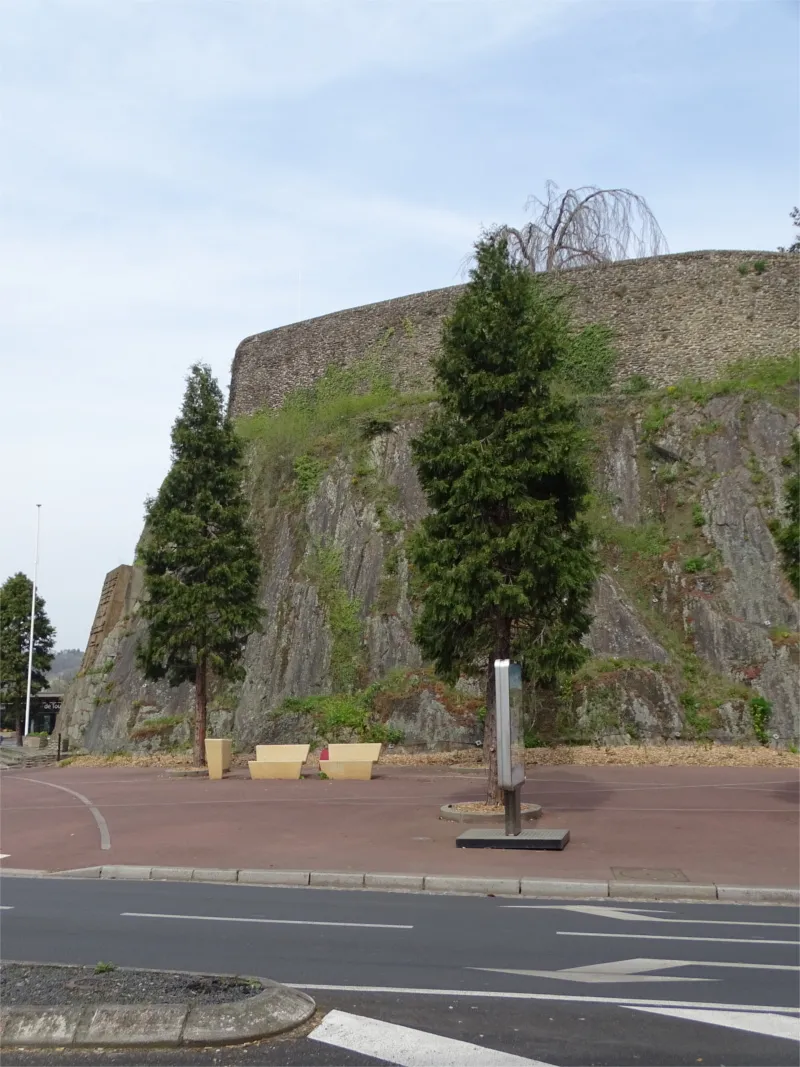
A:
[(585, 226)]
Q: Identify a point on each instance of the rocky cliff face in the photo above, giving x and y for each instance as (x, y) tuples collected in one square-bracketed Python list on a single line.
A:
[(693, 615)]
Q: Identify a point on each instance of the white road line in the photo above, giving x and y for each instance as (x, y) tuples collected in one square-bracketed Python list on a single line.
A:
[(642, 916), (102, 825), (636, 970), (279, 922), (766, 1023), (564, 998), (6, 907), (407, 1047), (676, 937), (4, 855)]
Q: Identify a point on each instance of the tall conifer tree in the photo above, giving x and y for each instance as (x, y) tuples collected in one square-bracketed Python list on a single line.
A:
[(504, 560), (200, 559), (15, 635)]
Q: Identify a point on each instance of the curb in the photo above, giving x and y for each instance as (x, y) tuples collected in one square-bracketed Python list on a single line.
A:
[(272, 1012), (438, 884), (529, 814)]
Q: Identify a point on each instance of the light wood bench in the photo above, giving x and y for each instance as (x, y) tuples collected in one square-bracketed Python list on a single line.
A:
[(218, 756), (351, 762), (278, 761)]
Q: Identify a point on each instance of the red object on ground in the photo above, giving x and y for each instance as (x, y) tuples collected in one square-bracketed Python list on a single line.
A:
[(734, 825), (323, 754)]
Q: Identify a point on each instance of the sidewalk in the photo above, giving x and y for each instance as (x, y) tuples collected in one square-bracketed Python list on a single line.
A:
[(738, 826)]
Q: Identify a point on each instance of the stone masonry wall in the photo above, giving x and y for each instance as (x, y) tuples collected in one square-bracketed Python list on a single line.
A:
[(109, 610), (673, 316)]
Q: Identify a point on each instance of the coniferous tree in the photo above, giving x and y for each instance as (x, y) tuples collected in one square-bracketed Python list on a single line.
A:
[(199, 555), (787, 533), (15, 632), (504, 561)]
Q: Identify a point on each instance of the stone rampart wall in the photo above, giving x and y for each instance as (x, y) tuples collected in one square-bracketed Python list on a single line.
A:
[(672, 316)]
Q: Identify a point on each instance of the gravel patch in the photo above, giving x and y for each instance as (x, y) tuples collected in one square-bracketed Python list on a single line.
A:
[(54, 986)]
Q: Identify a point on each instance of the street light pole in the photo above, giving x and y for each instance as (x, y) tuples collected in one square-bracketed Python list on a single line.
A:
[(33, 621)]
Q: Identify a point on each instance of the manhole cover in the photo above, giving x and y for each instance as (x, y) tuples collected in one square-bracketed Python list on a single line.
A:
[(648, 874)]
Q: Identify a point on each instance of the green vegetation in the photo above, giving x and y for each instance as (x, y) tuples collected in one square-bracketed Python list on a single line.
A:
[(104, 968), (655, 418), (787, 533), (770, 378), (587, 365), (759, 266), (698, 518), (760, 714), (637, 383), (504, 558), (342, 718), (699, 725), (695, 564), (201, 566), (15, 626), (159, 724), (323, 569)]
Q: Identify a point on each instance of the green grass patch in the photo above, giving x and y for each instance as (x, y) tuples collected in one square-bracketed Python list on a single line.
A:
[(323, 568), (342, 718), (155, 727)]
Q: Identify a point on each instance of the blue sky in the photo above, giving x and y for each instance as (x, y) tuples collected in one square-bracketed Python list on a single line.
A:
[(178, 175)]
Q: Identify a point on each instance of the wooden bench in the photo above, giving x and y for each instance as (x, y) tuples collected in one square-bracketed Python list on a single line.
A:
[(278, 761), (218, 756), (351, 762)]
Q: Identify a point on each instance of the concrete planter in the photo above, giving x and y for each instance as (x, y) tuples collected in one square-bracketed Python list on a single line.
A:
[(34, 741)]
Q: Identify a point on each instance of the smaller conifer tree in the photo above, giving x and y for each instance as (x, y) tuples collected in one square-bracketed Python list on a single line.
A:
[(503, 561), (199, 555)]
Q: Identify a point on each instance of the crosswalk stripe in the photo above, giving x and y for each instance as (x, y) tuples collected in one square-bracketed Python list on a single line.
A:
[(406, 1047), (768, 1024)]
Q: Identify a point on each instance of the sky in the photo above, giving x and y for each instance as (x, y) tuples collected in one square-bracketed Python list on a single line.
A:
[(178, 174)]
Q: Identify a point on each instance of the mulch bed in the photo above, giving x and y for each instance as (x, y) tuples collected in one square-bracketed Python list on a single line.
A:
[(46, 985)]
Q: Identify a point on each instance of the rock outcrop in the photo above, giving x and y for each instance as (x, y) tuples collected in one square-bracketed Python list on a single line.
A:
[(693, 616)]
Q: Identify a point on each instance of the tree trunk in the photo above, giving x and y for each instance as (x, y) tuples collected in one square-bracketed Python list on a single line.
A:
[(502, 650), (200, 713), (18, 724)]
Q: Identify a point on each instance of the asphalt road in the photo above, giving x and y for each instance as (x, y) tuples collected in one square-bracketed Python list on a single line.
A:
[(638, 984)]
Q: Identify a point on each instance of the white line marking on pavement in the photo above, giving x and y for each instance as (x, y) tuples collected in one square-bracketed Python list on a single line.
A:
[(102, 825), (4, 855), (769, 1024), (407, 1047), (6, 907), (677, 937), (641, 916), (565, 998), (633, 970), (280, 922)]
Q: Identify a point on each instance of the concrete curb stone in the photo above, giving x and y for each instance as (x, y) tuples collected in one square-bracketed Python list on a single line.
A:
[(498, 886), (738, 894), (131, 1024), (407, 882), (554, 888), (543, 887), (210, 874), (274, 1011), (141, 874), (171, 874), (662, 891), (288, 878), (337, 879)]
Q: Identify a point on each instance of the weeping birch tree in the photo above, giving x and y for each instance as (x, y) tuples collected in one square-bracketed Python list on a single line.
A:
[(584, 226)]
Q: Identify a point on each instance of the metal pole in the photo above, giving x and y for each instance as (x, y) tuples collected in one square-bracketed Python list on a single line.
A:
[(513, 811), (33, 620)]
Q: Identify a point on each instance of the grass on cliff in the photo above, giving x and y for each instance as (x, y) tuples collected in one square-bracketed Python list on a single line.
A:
[(291, 447)]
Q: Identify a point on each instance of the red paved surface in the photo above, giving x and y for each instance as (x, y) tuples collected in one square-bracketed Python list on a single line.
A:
[(723, 824)]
